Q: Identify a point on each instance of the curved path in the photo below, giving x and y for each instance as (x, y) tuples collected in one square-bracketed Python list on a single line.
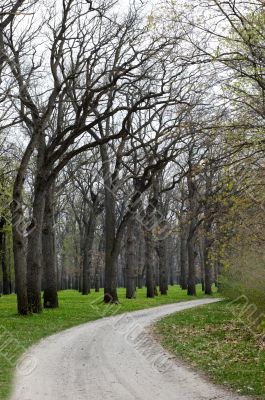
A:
[(114, 359)]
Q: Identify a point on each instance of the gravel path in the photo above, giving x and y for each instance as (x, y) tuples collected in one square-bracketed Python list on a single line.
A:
[(114, 359)]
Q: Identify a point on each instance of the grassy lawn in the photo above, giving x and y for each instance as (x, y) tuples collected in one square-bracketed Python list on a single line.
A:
[(219, 342), (18, 333)]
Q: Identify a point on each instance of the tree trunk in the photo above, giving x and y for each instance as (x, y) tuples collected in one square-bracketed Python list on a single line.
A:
[(191, 240), (110, 279), (163, 266), (48, 252), (172, 261), (140, 257), (131, 264), (208, 275), (19, 247), (97, 281), (209, 218), (88, 248), (149, 264), (183, 257), (80, 281), (208, 270), (150, 223), (98, 266), (86, 283), (171, 278), (18, 230), (192, 223), (201, 248), (206, 256), (34, 256), (191, 264)]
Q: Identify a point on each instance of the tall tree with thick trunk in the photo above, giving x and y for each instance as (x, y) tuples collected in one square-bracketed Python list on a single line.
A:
[(183, 258), (89, 235), (110, 286), (150, 225), (209, 216), (163, 266), (192, 222), (50, 296), (34, 254), (131, 260)]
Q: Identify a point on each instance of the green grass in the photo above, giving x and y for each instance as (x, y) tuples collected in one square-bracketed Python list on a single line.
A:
[(216, 340), (18, 333)]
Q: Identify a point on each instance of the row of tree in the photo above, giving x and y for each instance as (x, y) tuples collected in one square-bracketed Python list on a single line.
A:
[(128, 138)]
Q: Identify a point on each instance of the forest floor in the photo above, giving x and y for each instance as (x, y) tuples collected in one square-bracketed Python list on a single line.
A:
[(113, 358), (219, 341), (18, 333)]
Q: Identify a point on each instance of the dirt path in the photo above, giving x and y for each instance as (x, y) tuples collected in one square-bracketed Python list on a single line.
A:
[(113, 359)]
